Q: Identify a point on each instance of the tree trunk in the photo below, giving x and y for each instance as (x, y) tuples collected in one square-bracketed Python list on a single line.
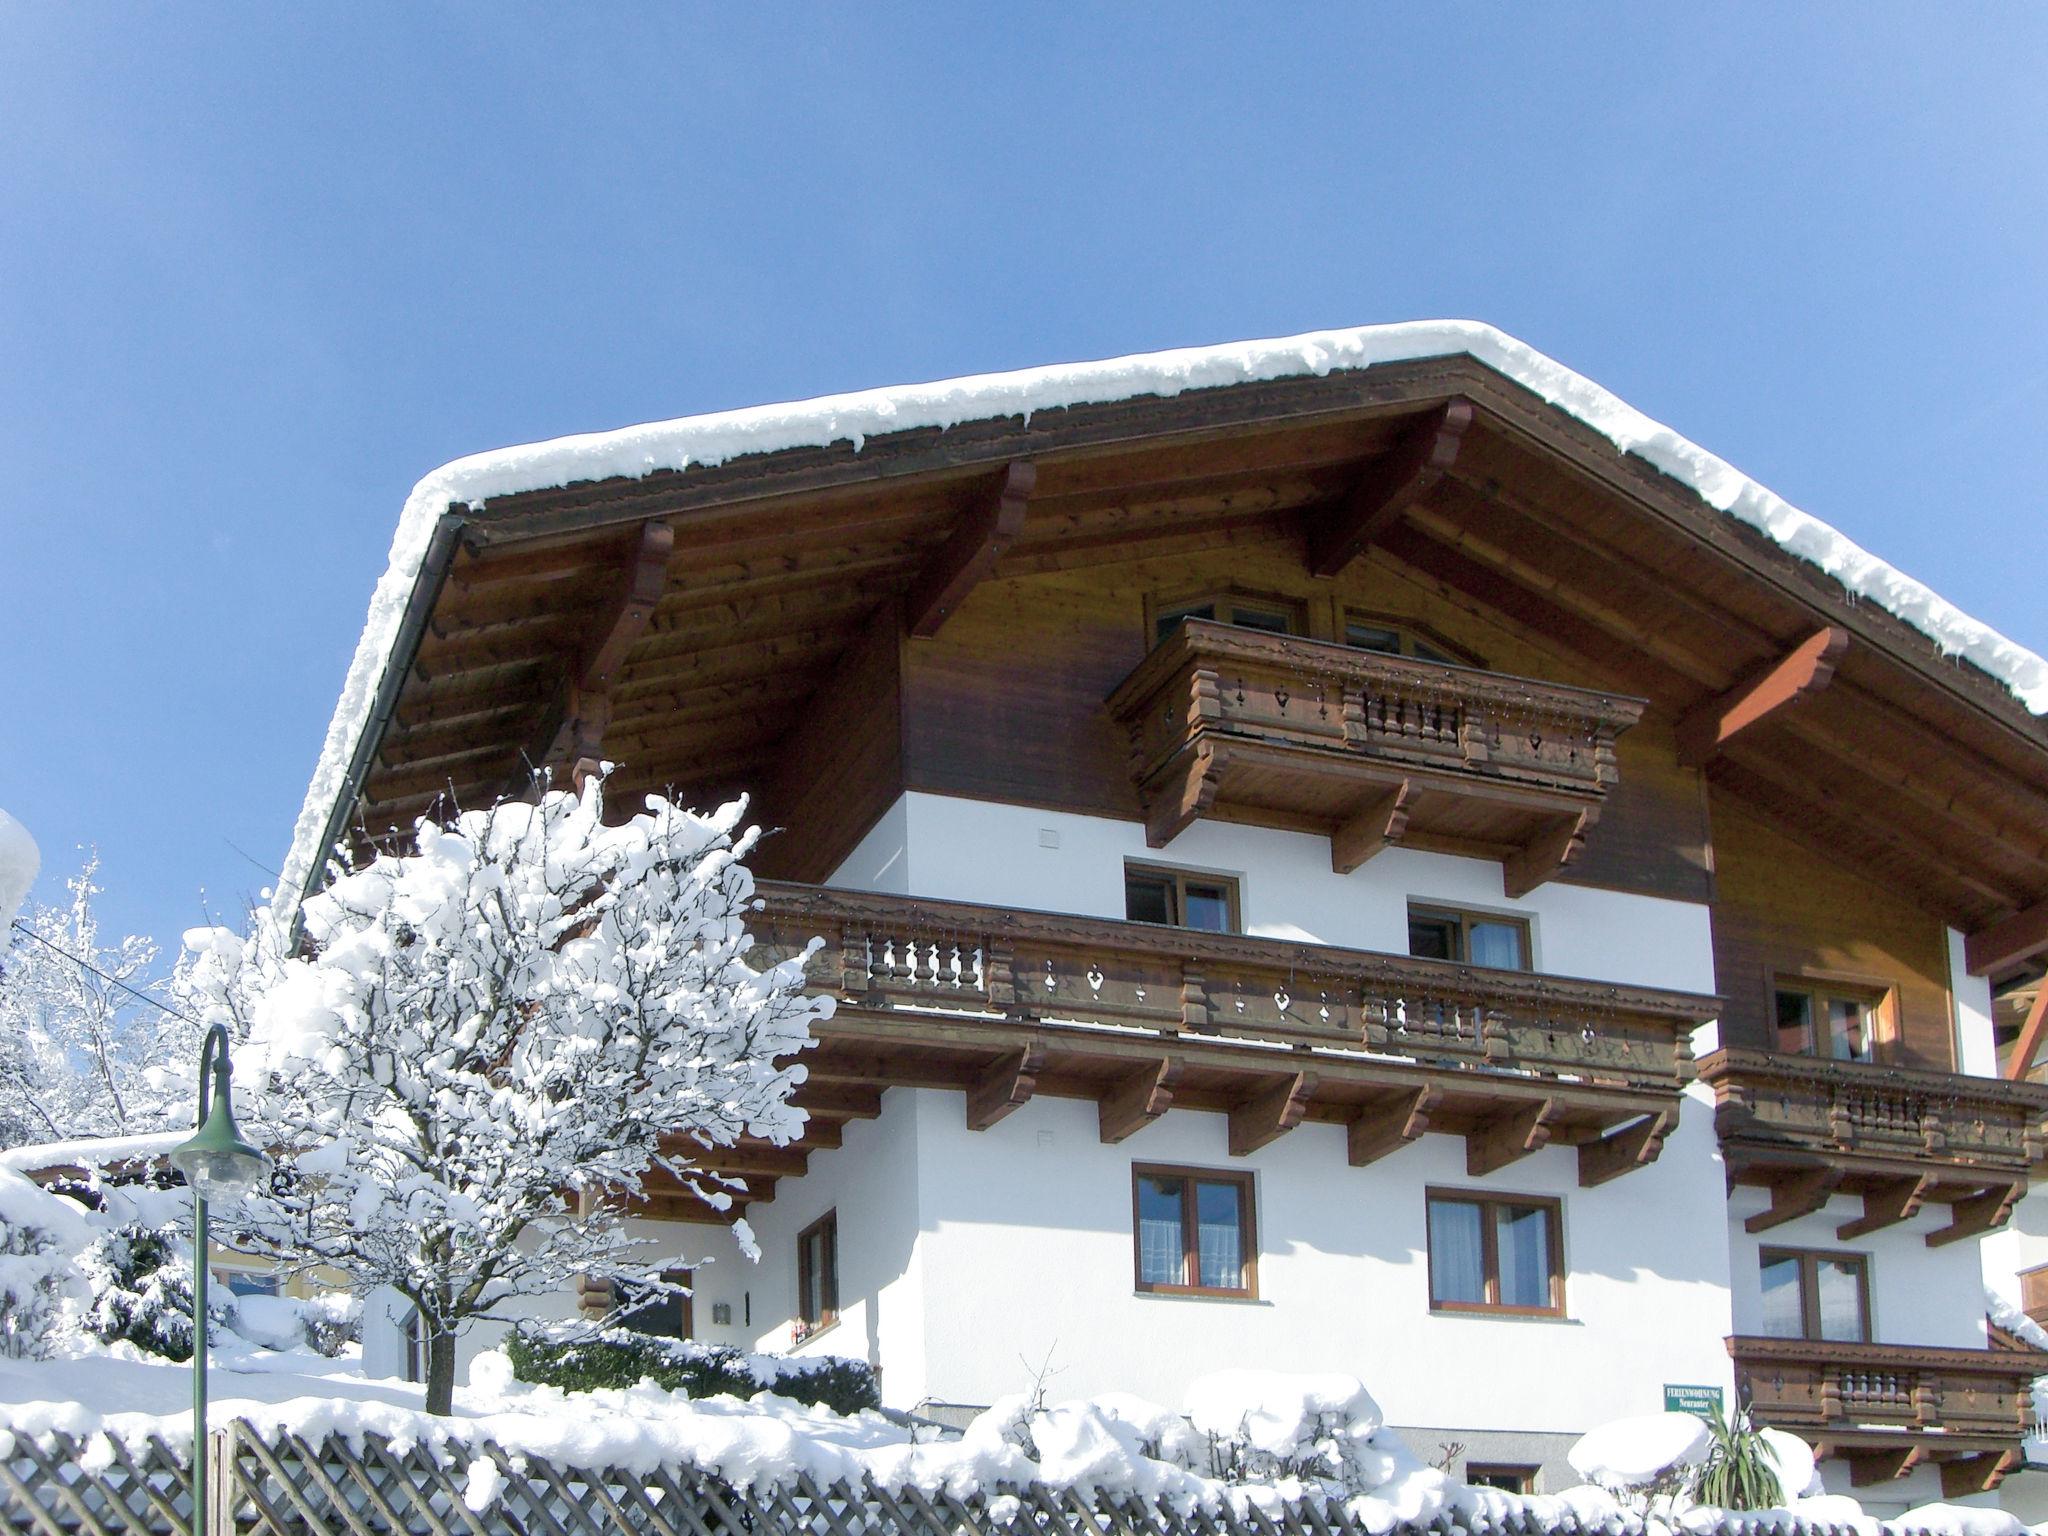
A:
[(441, 1370)]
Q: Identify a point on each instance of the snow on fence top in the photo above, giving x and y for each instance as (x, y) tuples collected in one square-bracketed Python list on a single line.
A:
[(713, 439)]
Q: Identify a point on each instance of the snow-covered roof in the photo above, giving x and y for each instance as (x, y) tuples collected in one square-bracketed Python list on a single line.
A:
[(19, 861), (712, 439)]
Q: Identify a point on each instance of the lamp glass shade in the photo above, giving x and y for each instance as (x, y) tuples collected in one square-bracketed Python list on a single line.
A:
[(216, 1162)]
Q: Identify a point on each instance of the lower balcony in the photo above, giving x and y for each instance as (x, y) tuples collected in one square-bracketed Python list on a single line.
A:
[(1808, 1128), (1888, 1408), (1138, 1018)]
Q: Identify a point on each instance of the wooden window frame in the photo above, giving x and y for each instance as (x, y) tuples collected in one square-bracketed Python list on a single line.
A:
[(1408, 632), (1177, 879), (685, 1299), (1225, 598), (1519, 1472), (1809, 1284), (1466, 917), (1248, 1233), (1880, 998), (828, 1288), (1489, 1246)]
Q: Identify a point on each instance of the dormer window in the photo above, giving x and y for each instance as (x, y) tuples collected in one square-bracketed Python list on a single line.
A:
[(1371, 632), (1275, 616)]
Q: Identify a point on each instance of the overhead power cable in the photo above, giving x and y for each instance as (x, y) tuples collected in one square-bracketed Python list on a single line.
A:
[(20, 927)]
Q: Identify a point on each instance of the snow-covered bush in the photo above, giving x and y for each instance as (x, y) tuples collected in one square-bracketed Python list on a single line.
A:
[(1261, 1425), (616, 1358), (1646, 1460), (33, 1268), (140, 1280), (481, 1048)]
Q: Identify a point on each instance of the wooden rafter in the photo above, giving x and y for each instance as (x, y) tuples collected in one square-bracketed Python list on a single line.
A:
[(573, 734), (1389, 1126), (1270, 1114), (1797, 675), (1006, 1085), (1624, 1151), (966, 559), (1142, 1097), (1798, 1194), (2007, 942), (1392, 484), (1378, 824), (1509, 1136)]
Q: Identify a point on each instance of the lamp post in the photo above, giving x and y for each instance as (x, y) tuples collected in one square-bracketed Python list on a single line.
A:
[(219, 1165)]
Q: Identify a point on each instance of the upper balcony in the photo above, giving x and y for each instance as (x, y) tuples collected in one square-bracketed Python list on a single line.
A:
[(1270, 1032), (1808, 1127), (1375, 750), (1887, 1408)]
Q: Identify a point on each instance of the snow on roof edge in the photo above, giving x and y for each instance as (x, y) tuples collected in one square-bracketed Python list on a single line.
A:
[(712, 439)]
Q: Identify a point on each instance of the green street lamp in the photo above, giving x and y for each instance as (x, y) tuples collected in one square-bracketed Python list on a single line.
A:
[(219, 1165)]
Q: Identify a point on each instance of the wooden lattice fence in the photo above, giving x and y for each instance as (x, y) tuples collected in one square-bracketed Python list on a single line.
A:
[(288, 1486)]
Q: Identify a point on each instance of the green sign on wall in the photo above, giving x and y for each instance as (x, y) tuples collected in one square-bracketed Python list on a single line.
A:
[(1704, 1401)]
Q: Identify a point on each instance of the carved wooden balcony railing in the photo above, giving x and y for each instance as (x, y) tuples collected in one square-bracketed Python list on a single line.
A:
[(1809, 1128), (1889, 1407), (1376, 750), (1352, 1031)]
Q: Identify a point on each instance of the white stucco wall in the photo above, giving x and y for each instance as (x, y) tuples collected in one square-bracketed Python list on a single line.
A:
[(982, 851), (872, 1182), (1918, 1294), (1976, 1045)]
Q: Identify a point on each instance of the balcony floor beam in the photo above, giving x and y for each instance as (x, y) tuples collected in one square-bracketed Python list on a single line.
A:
[(1509, 1137), (1137, 1101), (1888, 1204), (1799, 1195), (1008, 1084), (1379, 824), (1979, 1214), (1981, 1473), (1868, 1469), (1549, 854), (1389, 1126), (1624, 1151), (1270, 1114)]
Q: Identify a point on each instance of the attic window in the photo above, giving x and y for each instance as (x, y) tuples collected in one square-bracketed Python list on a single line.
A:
[(1275, 616), (1391, 637)]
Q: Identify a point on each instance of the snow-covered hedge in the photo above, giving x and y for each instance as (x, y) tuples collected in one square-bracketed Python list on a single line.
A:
[(580, 1362)]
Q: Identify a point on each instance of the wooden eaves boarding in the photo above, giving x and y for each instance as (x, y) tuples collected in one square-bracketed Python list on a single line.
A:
[(1834, 719)]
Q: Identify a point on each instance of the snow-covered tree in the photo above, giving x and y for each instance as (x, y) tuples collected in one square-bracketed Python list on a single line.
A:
[(79, 1055), (480, 1048)]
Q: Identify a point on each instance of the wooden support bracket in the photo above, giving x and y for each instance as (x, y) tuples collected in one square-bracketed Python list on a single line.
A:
[(968, 558), (1378, 824), (1509, 1137), (1979, 1214), (1185, 790), (2028, 1046), (1389, 1125), (1138, 1100), (1799, 1195), (1389, 487), (1548, 854), (1271, 1114), (1869, 1468), (2007, 942), (1888, 1204), (1797, 675), (1977, 1474), (1631, 1147), (1008, 1084)]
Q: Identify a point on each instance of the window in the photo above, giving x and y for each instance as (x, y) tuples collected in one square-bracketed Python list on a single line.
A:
[(1469, 938), (1193, 1231), (1275, 616), (1180, 898), (1509, 1479), (1369, 632), (1816, 1295), (1489, 1254), (817, 1275), (1819, 1018), (662, 1313), (249, 1282)]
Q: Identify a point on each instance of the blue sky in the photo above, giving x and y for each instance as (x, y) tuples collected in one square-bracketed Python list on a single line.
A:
[(262, 267)]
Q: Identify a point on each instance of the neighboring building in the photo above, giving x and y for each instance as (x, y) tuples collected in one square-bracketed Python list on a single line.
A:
[(1358, 852)]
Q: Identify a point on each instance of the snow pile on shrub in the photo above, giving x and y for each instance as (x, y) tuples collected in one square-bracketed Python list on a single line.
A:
[(1641, 1452)]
